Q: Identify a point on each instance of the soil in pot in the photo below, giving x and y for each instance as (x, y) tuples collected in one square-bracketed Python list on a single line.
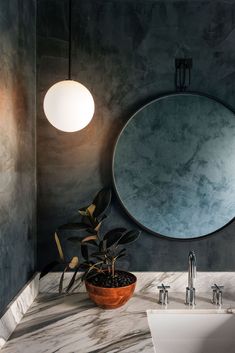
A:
[(105, 280)]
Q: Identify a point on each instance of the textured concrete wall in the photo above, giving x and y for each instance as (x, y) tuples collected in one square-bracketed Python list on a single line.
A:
[(123, 51), (17, 146)]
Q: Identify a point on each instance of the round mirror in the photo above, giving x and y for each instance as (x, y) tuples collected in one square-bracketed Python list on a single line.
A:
[(174, 166)]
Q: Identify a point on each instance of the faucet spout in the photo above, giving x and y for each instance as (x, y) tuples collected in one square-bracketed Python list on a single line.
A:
[(192, 271)]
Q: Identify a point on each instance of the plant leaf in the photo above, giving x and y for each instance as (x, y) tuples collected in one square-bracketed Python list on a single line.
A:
[(74, 226), (102, 201), (92, 243), (90, 269), (118, 256), (62, 280), (48, 268), (129, 237), (113, 231), (121, 252), (102, 245), (82, 212), (74, 239), (91, 231), (90, 221), (74, 262), (84, 251), (57, 240), (91, 275), (102, 218), (91, 209), (113, 239), (89, 238), (71, 283), (99, 253), (97, 227), (99, 258), (84, 265)]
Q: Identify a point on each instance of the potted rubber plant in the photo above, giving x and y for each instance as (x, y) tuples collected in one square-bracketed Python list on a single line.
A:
[(107, 286)]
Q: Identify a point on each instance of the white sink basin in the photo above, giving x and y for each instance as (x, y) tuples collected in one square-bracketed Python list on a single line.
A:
[(192, 331)]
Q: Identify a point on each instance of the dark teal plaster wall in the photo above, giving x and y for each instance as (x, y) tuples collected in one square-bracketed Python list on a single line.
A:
[(17, 146), (123, 51)]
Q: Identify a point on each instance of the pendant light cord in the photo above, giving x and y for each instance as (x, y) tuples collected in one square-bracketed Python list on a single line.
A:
[(70, 39)]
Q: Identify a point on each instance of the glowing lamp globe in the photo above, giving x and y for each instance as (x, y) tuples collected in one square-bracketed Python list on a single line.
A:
[(69, 106)]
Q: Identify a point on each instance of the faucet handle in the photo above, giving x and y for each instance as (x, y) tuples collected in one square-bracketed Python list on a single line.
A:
[(216, 287), (163, 294), (162, 286), (217, 298)]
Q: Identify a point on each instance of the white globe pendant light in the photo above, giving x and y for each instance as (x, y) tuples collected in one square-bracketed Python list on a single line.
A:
[(68, 105)]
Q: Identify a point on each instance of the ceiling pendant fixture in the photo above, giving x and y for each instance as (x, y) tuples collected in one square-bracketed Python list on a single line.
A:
[(68, 105)]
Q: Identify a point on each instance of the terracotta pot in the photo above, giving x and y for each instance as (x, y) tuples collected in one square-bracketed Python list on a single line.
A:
[(110, 298)]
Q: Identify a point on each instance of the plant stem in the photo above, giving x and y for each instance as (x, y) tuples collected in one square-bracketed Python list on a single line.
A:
[(109, 269), (98, 236), (113, 268)]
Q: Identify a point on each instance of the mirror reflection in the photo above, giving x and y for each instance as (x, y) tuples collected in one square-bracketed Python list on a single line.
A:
[(174, 166)]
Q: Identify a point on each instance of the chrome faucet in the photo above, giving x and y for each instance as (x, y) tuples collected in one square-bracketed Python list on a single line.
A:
[(163, 294), (217, 294), (192, 271)]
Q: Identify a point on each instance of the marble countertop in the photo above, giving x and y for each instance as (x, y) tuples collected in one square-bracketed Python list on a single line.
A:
[(68, 324)]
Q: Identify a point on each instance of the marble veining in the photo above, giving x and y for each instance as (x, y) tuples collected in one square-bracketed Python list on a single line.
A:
[(73, 324), (17, 308), (147, 282)]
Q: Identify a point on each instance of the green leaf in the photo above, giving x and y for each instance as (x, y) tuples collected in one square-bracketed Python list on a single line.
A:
[(48, 268), (102, 202), (74, 226), (129, 237), (84, 251)]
